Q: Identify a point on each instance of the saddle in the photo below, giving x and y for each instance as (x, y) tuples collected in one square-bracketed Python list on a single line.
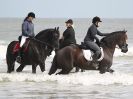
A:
[(24, 47), (88, 53)]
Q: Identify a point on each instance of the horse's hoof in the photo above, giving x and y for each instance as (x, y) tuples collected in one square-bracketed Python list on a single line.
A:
[(111, 71), (8, 71), (18, 70), (57, 74), (82, 70), (43, 70), (102, 72)]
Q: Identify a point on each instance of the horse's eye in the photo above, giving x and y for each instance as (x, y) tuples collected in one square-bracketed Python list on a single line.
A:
[(126, 45)]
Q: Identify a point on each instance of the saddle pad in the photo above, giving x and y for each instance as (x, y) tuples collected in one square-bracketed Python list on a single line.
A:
[(16, 47), (88, 55)]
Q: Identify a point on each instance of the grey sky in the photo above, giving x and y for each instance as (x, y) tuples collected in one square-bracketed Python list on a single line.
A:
[(67, 8)]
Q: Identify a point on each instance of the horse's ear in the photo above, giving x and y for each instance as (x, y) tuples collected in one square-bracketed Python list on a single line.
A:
[(125, 30), (57, 28)]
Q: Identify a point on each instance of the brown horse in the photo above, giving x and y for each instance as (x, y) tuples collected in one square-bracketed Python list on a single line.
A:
[(72, 56)]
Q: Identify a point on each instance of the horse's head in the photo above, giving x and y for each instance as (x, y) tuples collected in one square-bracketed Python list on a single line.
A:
[(55, 37), (116, 38), (122, 42), (49, 36)]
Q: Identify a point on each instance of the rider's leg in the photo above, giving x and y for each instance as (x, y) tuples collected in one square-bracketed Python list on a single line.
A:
[(22, 41), (95, 48)]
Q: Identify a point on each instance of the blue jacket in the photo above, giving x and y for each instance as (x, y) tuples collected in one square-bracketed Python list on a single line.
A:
[(28, 29)]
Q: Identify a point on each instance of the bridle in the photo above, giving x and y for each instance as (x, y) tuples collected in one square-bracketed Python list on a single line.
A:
[(44, 43)]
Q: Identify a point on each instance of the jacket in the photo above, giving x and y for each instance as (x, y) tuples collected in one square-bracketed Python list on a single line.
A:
[(92, 32), (69, 36), (28, 29)]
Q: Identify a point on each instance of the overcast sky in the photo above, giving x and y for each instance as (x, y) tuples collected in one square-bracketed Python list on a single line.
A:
[(67, 8)]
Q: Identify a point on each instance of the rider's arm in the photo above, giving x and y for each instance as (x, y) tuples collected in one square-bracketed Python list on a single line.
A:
[(66, 34), (93, 33), (102, 34), (25, 29)]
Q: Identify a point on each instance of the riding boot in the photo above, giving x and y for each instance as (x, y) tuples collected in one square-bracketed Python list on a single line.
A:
[(94, 61), (19, 57)]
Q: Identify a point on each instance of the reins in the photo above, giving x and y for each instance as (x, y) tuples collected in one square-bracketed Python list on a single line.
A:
[(42, 42)]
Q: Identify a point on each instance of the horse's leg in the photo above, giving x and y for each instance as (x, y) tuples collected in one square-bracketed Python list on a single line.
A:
[(77, 69), (10, 67), (102, 69), (42, 66), (82, 70), (53, 67), (65, 71), (20, 68), (10, 64), (34, 68), (52, 70), (110, 70), (68, 66)]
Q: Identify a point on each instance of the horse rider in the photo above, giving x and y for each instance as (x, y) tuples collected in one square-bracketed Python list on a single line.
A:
[(68, 35), (91, 40), (27, 32)]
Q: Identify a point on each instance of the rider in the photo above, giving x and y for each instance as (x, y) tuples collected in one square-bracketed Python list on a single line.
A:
[(68, 35), (27, 31), (91, 41)]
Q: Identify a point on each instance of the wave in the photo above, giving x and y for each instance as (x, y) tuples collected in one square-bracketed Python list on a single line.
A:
[(86, 78), (3, 49)]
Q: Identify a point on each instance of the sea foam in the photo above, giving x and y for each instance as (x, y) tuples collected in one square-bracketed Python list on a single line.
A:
[(86, 78)]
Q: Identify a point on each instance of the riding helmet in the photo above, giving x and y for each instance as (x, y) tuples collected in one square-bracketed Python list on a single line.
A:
[(69, 21), (95, 19), (31, 14)]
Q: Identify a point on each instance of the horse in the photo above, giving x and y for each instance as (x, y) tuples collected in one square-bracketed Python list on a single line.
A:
[(38, 49), (72, 56)]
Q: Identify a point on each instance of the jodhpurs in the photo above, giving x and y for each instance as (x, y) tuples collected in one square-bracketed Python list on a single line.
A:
[(93, 47)]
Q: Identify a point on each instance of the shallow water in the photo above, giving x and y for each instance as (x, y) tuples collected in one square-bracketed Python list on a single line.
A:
[(86, 85)]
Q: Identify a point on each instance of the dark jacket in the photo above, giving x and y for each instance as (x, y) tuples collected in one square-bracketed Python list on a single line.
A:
[(28, 29), (92, 32), (69, 37)]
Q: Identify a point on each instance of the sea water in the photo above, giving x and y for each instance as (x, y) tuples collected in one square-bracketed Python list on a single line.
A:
[(81, 85)]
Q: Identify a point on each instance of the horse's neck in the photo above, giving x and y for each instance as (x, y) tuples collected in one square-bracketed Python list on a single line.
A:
[(109, 50)]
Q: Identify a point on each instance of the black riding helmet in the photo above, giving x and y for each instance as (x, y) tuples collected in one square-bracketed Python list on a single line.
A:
[(69, 21), (31, 14), (95, 19)]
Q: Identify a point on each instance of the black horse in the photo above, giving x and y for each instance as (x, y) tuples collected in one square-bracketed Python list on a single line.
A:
[(37, 52), (72, 56)]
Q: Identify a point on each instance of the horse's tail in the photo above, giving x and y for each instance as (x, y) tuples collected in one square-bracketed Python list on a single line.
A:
[(10, 57)]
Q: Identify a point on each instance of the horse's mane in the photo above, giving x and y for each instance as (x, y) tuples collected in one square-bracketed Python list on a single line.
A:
[(44, 33), (114, 36)]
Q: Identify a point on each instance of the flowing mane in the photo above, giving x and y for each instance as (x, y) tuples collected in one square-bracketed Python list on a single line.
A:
[(44, 33), (114, 37)]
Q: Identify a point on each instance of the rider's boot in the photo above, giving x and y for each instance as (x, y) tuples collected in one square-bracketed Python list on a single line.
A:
[(95, 62)]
